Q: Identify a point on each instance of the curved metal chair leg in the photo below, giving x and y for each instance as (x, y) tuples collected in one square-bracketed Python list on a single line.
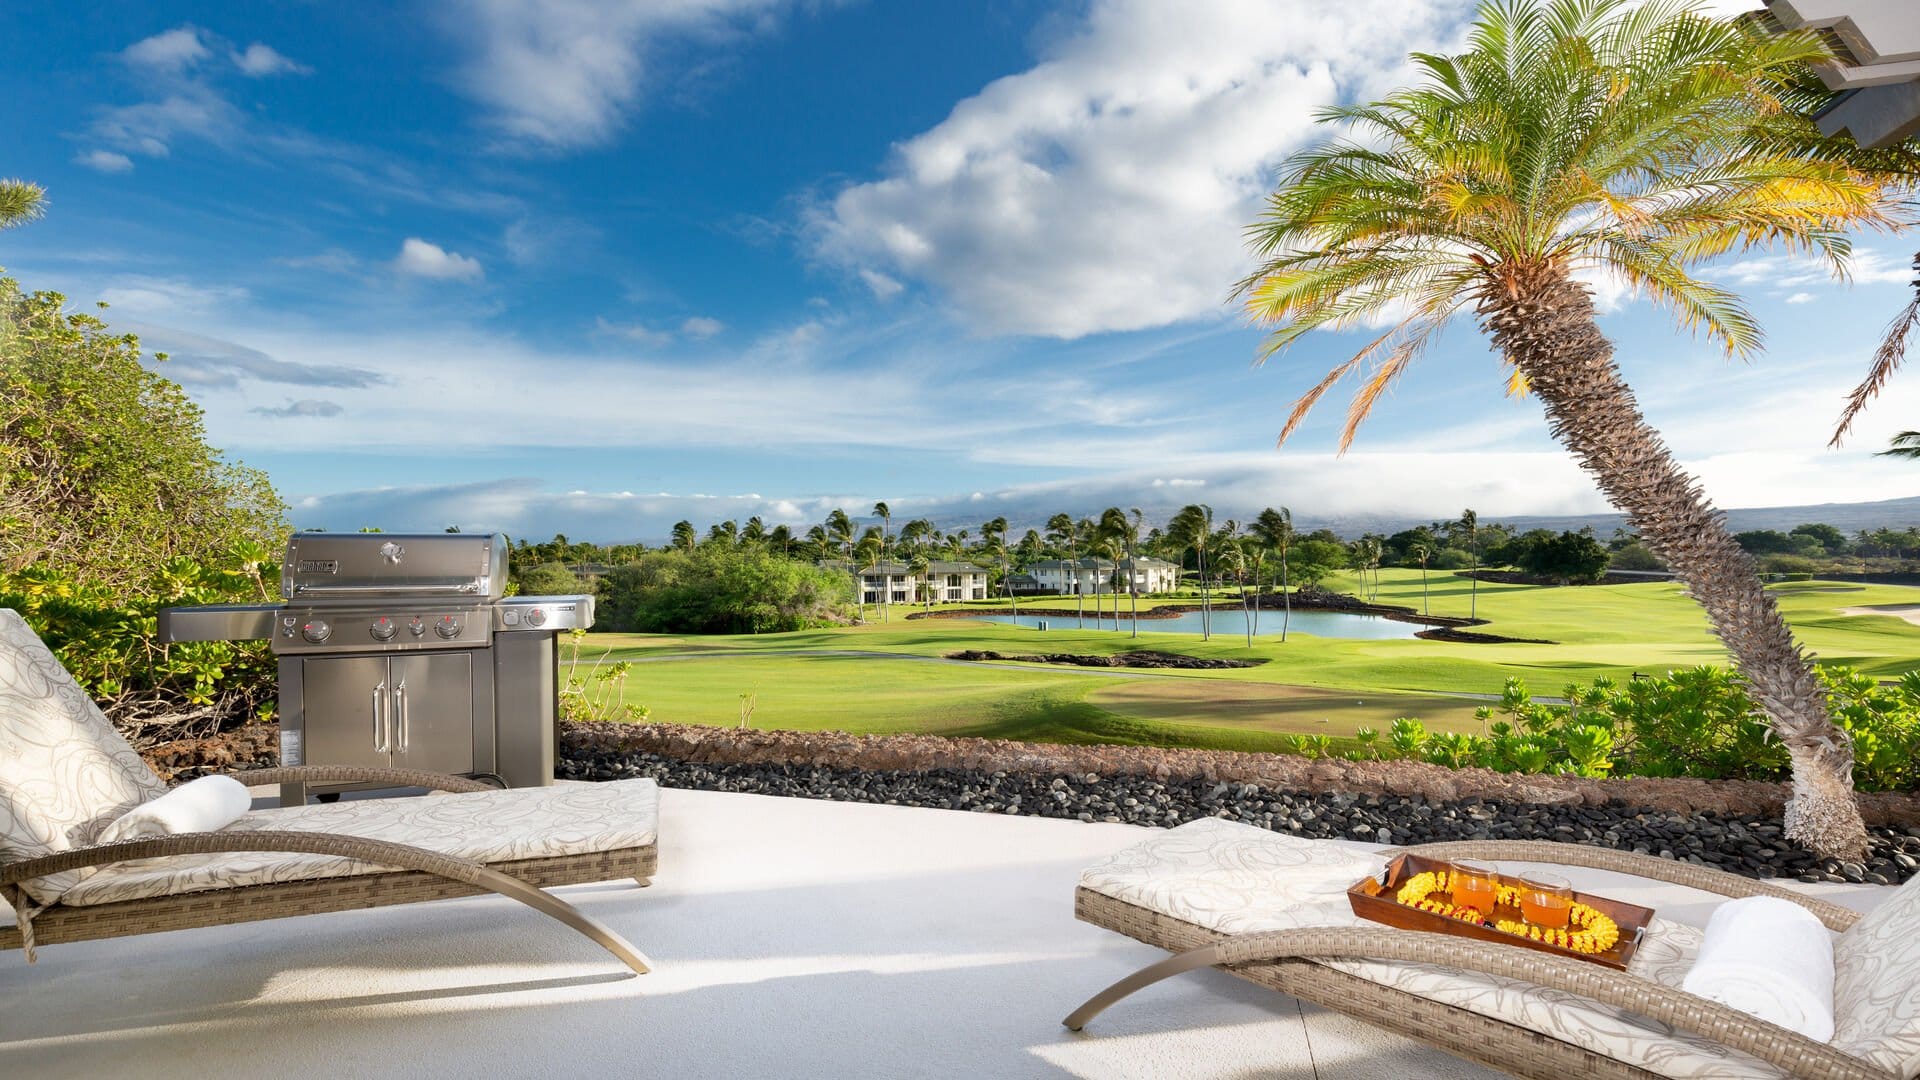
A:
[(1205, 956), (548, 904)]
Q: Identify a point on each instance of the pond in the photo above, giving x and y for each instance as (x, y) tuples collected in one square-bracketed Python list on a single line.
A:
[(1229, 622)]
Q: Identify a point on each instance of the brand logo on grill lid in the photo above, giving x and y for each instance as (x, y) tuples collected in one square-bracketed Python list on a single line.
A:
[(319, 566)]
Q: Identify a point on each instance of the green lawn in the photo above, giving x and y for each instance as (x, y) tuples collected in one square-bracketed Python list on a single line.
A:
[(1308, 685)]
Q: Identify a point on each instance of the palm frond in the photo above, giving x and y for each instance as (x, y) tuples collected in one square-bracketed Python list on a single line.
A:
[(1886, 361)]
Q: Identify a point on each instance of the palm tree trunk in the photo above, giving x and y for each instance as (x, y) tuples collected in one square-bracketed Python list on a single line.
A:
[(1133, 590), (1286, 597), (1473, 605), (1543, 322)]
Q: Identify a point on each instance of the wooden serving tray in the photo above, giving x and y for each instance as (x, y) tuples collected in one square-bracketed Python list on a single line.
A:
[(1375, 901)]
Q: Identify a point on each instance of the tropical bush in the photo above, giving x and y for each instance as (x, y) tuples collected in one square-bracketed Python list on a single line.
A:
[(718, 589), (1699, 722), (105, 635), (104, 467)]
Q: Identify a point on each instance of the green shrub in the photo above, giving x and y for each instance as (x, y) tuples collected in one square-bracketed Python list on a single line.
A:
[(722, 590), (1699, 722), (155, 693)]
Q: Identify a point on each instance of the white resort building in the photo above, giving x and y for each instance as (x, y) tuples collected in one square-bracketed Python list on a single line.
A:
[(894, 582), (1090, 576)]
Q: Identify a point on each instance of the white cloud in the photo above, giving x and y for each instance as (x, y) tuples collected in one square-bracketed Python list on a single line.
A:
[(305, 408), (564, 73), (639, 332), (883, 287), (1106, 188), (332, 260), (149, 127), (259, 60), (172, 51), (105, 161), (140, 295), (700, 327), (1800, 298), (1868, 266), (419, 258)]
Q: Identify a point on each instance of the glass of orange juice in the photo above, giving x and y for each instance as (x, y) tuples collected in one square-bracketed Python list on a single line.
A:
[(1474, 885), (1545, 900)]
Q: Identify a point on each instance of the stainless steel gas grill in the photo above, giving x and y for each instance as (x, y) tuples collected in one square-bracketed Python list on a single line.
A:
[(401, 650)]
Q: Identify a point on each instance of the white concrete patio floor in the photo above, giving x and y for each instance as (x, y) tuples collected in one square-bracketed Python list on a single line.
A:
[(790, 938)]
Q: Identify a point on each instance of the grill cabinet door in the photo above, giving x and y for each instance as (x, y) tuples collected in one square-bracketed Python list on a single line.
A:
[(344, 703), (433, 711)]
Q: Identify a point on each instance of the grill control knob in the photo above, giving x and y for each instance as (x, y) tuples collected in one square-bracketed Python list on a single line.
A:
[(448, 627), (383, 629), (536, 617), (316, 631), (416, 627)]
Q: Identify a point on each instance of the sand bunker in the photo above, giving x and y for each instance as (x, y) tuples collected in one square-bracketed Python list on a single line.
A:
[(1909, 612)]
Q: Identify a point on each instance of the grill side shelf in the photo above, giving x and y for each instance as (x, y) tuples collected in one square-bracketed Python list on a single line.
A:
[(225, 622)]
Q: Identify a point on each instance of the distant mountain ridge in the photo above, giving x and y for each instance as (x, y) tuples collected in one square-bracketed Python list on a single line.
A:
[(1848, 517)]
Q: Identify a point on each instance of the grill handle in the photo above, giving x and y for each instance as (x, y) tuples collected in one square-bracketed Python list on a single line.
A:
[(400, 702), (380, 739), (457, 588)]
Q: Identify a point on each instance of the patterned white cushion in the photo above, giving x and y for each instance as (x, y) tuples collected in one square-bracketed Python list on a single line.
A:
[(64, 772), (1876, 984), (487, 826), (1237, 879)]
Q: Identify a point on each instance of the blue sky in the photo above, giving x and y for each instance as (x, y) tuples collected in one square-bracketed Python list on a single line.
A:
[(563, 266)]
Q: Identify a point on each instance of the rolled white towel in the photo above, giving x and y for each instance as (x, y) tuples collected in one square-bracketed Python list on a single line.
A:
[(208, 804), (1771, 958)]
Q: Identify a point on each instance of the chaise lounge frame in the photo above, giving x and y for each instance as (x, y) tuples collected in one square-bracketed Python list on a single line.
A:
[(416, 874), (1286, 960)]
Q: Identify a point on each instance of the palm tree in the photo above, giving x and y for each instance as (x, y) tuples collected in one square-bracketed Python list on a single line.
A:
[(1469, 527), (920, 565), (1191, 529), (1422, 551), (868, 555), (20, 202), (885, 513), (684, 537), (822, 542), (1064, 534), (1232, 557), (1275, 528), (1574, 136), (1123, 534), (840, 527)]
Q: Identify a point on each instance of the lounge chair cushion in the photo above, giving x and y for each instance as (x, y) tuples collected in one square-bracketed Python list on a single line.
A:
[(486, 826), (1236, 879), (1876, 984), (65, 774)]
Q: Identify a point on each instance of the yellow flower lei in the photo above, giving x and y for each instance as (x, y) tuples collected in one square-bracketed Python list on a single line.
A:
[(1592, 931)]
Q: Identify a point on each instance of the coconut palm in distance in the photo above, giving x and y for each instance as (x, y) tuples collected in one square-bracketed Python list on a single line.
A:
[(1116, 526), (1274, 527), (1192, 528), (1468, 527), (1576, 136), (885, 514)]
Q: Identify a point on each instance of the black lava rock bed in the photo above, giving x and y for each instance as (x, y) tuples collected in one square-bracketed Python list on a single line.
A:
[(1752, 846)]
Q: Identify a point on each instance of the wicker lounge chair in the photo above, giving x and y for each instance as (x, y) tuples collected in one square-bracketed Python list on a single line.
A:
[(1527, 1013), (65, 774)]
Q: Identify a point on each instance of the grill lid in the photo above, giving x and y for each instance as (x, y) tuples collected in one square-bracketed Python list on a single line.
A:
[(360, 566)]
